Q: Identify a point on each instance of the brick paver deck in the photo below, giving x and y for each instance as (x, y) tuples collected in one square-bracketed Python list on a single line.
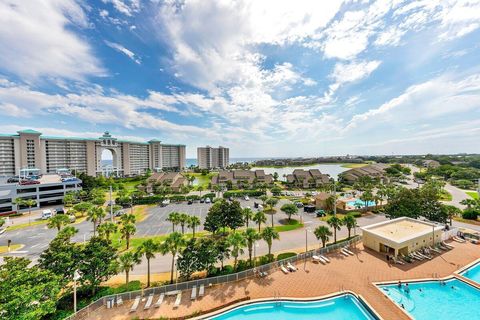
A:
[(355, 273)]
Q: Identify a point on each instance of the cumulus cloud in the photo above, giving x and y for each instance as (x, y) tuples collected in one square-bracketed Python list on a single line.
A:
[(36, 40)]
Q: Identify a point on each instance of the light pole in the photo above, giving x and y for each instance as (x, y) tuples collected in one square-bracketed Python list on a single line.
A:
[(306, 245), (111, 205), (334, 198), (76, 277)]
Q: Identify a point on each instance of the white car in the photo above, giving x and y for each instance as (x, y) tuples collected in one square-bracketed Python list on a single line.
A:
[(246, 198), (166, 202), (207, 200), (47, 214)]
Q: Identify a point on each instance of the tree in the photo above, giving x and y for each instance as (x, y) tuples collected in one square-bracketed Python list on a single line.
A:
[(322, 233), (198, 255), (200, 189), (366, 197), (27, 293), (247, 215), (106, 229), (58, 221), (82, 207), (193, 222), (128, 218), (350, 222), (251, 236), (405, 203), (259, 217), (174, 219), (148, 248), (330, 203), (172, 244), (268, 235), (451, 212), (62, 255), (263, 198), (237, 242), (224, 214), (127, 230), (97, 262), (27, 203), (335, 223), (289, 209), (270, 209), (127, 262), (183, 220), (2, 222), (95, 215), (69, 199), (470, 203)]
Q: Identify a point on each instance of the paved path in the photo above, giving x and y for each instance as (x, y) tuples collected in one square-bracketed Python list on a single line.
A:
[(458, 195)]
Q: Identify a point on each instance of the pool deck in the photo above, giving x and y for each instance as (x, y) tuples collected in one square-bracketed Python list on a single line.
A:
[(354, 273)]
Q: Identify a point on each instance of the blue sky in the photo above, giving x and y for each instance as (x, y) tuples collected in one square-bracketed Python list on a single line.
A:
[(266, 78)]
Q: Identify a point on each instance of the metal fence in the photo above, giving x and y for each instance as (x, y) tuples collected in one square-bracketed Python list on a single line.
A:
[(207, 282)]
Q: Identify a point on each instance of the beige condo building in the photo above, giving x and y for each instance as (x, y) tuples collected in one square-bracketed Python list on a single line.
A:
[(213, 158), (30, 149)]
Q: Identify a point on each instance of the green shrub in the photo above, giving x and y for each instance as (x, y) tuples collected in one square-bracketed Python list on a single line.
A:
[(356, 214), (209, 195), (470, 214), (285, 255), (242, 193), (265, 259)]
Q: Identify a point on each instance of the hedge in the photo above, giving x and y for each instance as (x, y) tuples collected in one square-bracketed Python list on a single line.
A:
[(242, 193)]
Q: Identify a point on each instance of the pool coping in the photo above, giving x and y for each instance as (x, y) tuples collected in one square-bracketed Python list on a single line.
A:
[(453, 276), (360, 298), (468, 266)]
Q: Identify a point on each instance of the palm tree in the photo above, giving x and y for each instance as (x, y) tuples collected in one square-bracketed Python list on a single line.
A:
[(268, 235), (106, 229), (330, 203), (250, 236), (127, 231), (336, 223), (200, 189), (127, 262), (27, 203), (128, 218), (237, 242), (350, 222), (69, 199), (174, 218), (247, 215), (263, 198), (148, 248), (95, 214), (82, 207), (183, 220), (193, 222), (67, 232), (172, 244), (322, 233), (259, 217), (58, 221), (366, 197), (271, 203)]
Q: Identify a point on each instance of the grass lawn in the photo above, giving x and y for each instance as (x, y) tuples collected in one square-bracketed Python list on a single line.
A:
[(13, 247), (130, 185), (460, 219), (354, 165), (26, 225), (445, 196), (472, 194), (339, 215), (289, 226)]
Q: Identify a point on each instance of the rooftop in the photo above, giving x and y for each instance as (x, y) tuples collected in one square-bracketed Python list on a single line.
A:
[(401, 229)]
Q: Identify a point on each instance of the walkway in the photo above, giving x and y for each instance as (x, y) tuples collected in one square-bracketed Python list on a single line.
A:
[(355, 273)]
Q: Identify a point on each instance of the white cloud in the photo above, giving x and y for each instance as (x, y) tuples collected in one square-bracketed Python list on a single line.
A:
[(127, 7), (353, 71), (36, 40), (124, 50)]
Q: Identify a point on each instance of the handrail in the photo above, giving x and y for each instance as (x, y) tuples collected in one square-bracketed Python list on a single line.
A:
[(208, 281)]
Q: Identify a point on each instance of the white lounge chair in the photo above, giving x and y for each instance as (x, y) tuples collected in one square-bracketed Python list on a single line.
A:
[(194, 293), (449, 246), (291, 267), (135, 304), (201, 291), (325, 258), (119, 301), (178, 300), (457, 239), (398, 261), (160, 300), (318, 259), (148, 304), (435, 250), (282, 267), (344, 253), (348, 251)]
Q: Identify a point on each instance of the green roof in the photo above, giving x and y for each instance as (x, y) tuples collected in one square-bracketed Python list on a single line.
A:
[(154, 140), (8, 135), (69, 138), (29, 131)]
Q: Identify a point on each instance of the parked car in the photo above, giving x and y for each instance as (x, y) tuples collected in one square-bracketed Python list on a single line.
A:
[(320, 213), (230, 198), (246, 198), (72, 218), (28, 182), (119, 213), (202, 200), (47, 214), (13, 180), (309, 208), (60, 211), (190, 202), (260, 207), (299, 204), (208, 200), (166, 202)]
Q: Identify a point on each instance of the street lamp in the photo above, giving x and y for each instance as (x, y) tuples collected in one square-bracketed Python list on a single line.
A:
[(306, 245), (76, 277)]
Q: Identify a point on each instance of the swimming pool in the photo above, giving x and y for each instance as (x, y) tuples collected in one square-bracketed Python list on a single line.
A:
[(342, 307), (428, 300), (357, 203), (473, 273)]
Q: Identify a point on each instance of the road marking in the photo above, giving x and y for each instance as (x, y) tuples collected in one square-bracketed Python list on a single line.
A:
[(36, 245), (44, 245)]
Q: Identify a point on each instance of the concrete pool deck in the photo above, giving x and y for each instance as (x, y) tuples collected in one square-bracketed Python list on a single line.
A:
[(353, 273)]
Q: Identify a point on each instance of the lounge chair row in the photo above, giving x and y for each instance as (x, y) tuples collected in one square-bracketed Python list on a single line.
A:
[(287, 268), (161, 297), (320, 258)]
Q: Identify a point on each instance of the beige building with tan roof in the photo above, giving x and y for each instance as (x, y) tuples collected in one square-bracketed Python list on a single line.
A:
[(241, 178), (307, 178), (374, 171)]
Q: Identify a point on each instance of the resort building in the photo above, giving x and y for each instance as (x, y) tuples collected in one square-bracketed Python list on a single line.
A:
[(401, 236), (213, 158), (307, 179), (173, 180), (47, 190), (29, 149), (241, 178), (373, 171)]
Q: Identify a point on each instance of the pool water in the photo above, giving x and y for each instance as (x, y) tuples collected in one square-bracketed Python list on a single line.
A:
[(430, 300), (345, 307), (360, 204), (473, 273)]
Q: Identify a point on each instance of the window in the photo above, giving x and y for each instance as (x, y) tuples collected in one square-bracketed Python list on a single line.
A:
[(27, 190)]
